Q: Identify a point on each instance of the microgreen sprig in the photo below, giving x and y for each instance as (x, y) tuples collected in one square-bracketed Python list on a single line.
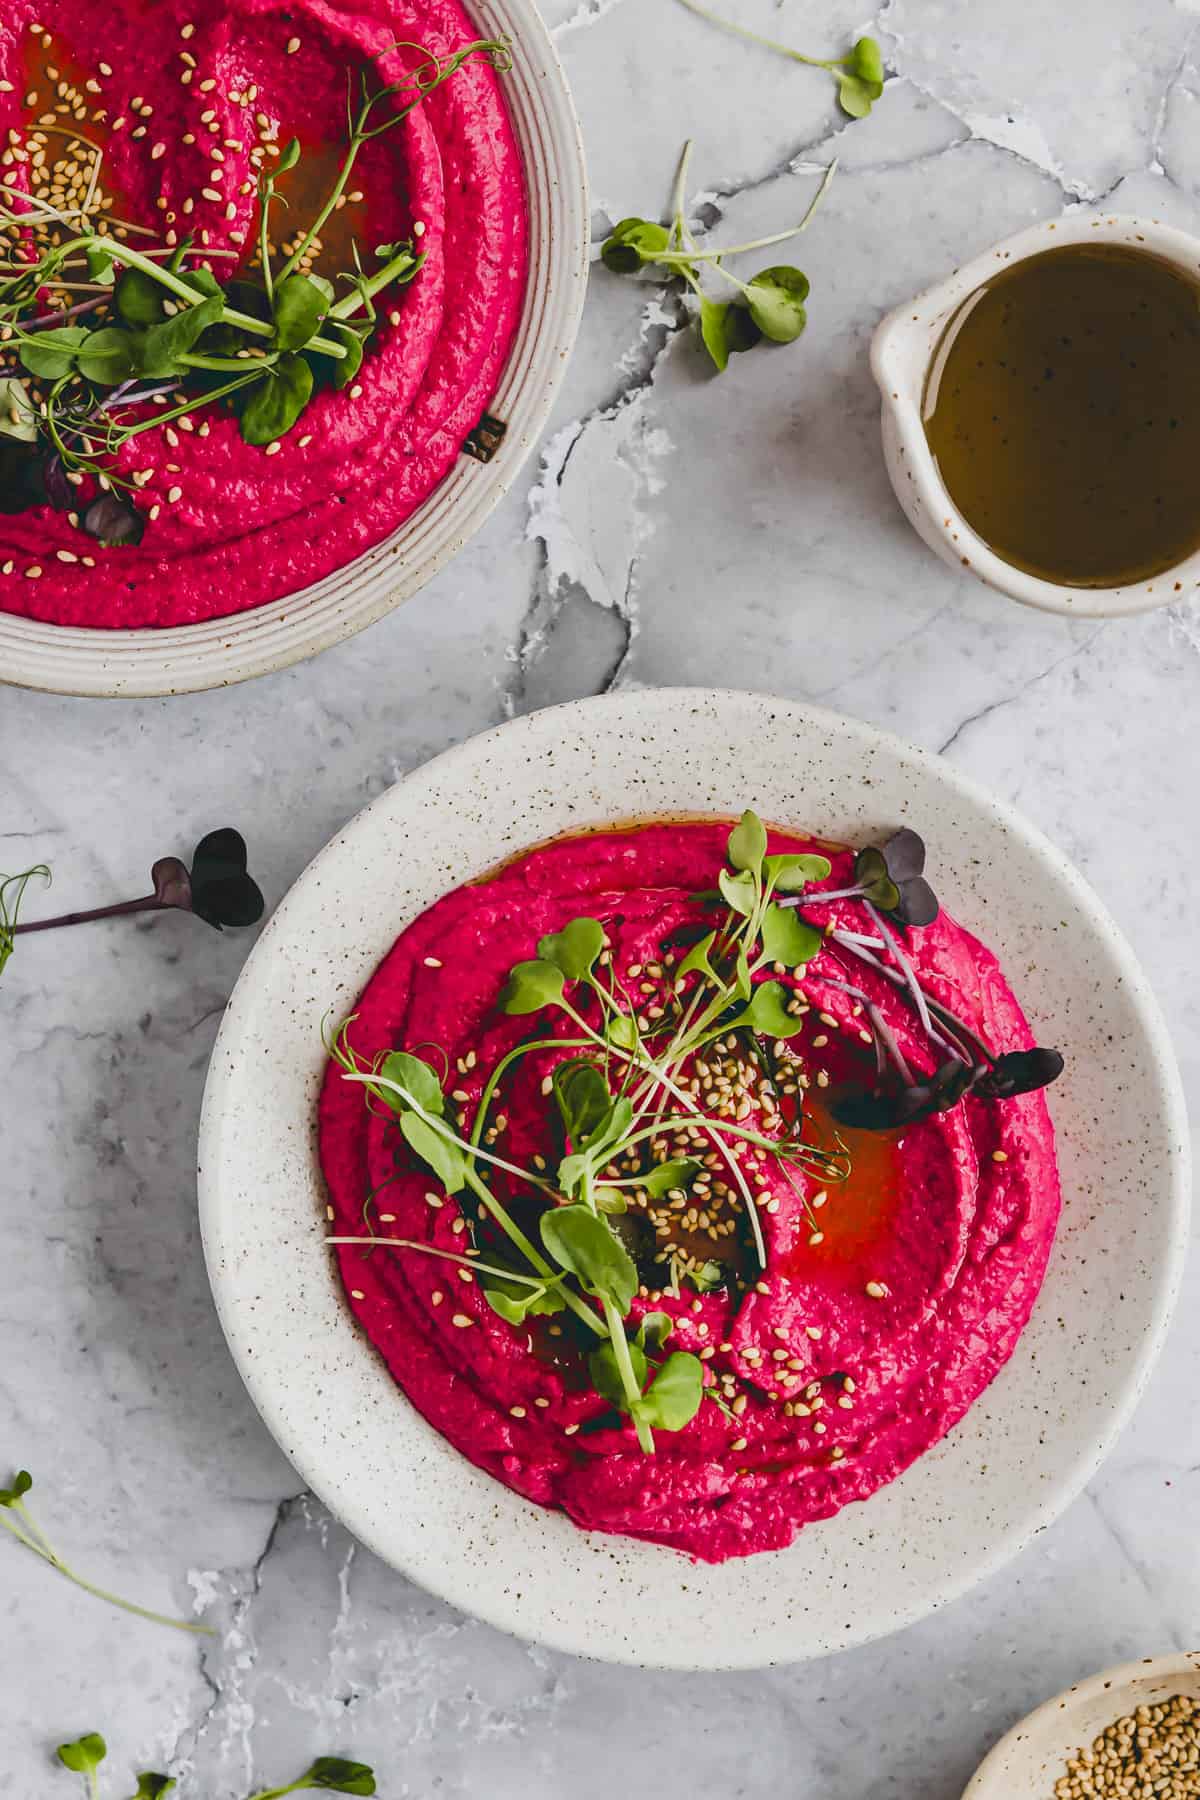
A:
[(331, 1774), (216, 888), (157, 325), (771, 307), (859, 74), (19, 1522)]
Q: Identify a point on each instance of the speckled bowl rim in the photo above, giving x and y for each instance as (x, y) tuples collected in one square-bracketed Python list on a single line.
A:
[(1000, 1776), (185, 659), (595, 1577)]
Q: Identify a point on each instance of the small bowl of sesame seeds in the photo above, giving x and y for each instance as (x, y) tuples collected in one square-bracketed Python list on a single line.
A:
[(1132, 1733)]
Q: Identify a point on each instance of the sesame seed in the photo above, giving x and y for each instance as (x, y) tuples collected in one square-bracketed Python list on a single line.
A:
[(33, 571), (877, 1290), (67, 556), (273, 448), (462, 1320), (174, 494), (518, 1412), (437, 1296), (357, 1294), (293, 44), (999, 1155), (433, 962)]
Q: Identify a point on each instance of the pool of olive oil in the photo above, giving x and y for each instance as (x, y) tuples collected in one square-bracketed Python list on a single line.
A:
[(1062, 407)]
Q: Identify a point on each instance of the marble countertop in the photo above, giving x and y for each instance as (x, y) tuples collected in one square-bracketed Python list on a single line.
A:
[(673, 532)]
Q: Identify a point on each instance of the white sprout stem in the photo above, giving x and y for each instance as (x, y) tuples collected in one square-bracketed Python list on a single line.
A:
[(777, 237), (466, 1262), (849, 893), (905, 967), (849, 939), (36, 1540)]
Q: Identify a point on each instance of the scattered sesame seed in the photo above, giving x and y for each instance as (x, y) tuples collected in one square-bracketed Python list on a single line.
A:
[(999, 1155), (293, 44), (433, 962), (462, 1320)]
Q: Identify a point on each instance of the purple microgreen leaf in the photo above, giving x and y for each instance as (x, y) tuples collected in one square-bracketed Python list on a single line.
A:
[(172, 883), (222, 891), (1020, 1072), (904, 855), (59, 492), (113, 521), (871, 874), (918, 903)]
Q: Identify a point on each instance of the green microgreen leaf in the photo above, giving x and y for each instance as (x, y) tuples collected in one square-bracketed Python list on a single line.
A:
[(22, 1481), (108, 356), (673, 1398), (51, 354), (301, 302), (633, 242), (100, 266), (787, 938), (866, 60), (288, 157), (446, 1160), (138, 299), (654, 1330), (151, 1786), (719, 329), (583, 1098), (277, 402), (792, 872), (515, 1302), (18, 416), (871, 874), (698, 960), (606, 1374), (739, 891), (776, 299), (856, 97), (84, 1755), (664, 1177), (767, 1013), (164, 344), (337, 1775), (530, 986), (747, 843), (575, 948), (586, 1247), (413, 1073), (621, 1032), (610, 1200), (707, 1277), (352, 341)]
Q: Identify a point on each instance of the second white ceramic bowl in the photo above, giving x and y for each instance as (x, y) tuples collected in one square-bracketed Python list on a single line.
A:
[(1027, 1762), (901, 352), (183, 659)]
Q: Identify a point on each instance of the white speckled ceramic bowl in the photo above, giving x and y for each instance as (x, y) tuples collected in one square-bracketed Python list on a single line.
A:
[(1026, 1447), (1027, 1762), (901, 353), (183, 659)]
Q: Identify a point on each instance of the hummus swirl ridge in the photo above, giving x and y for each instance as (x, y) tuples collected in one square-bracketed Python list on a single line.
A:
[(849, 1356)]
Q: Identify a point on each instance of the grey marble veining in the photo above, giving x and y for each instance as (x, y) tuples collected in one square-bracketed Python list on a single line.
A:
[(674, 531)]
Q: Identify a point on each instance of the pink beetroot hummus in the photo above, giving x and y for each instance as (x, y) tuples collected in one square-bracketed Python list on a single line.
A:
[(858, 1347)]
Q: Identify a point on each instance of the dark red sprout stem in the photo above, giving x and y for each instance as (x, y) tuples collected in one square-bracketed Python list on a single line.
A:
[(150, 903)]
